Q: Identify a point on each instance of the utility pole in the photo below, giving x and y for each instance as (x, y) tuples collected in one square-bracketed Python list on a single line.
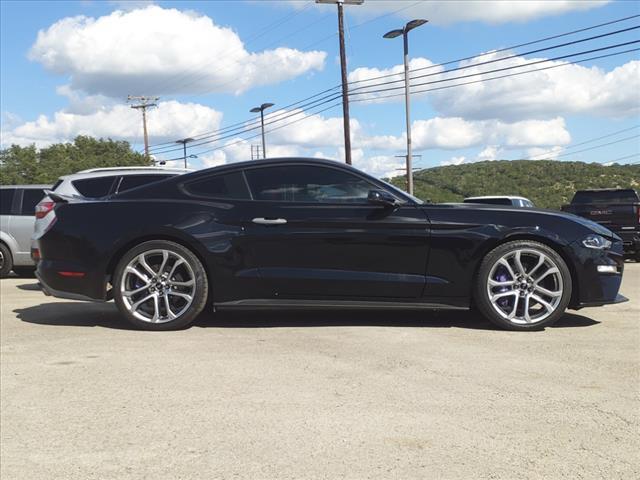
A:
[(406, 181), (343, 71), (144, 103)]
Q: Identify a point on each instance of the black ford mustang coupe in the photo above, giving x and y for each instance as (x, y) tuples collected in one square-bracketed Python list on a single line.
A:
[(308, 233)]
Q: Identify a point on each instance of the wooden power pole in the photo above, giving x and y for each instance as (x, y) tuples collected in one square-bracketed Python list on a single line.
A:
[(143, 104)]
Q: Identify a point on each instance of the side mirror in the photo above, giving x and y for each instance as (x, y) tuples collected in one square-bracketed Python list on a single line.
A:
[(382, 197)]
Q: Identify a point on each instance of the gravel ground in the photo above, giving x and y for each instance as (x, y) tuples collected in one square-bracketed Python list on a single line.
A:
[(316, 395)]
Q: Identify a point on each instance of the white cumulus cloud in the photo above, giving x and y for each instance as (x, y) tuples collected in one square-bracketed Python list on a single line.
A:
[(487, 11), (169, 121), (157, 50), (561, 90)]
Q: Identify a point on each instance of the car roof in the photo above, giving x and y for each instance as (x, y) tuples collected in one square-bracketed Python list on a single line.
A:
[(125, 171), (488, 197), (35, 187), (275, 161)]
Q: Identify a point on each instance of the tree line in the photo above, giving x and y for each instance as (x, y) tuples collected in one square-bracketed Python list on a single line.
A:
[(30, 165), (548, 183)]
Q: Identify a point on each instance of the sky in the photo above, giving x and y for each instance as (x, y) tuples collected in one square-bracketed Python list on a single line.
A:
[(68, 67)]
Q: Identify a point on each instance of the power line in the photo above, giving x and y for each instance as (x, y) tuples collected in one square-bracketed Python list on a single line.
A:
[(501, 50), (498, 77), (257, 135), (285, 115), (500, 60), (230, 127), (612, 134), (622, 158), (600, 146), (303, 48), (269, 122)]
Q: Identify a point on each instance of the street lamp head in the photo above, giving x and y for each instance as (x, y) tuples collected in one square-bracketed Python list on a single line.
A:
[(185, 140), (393, 33), (346, 2), (414, 24), (261, 107)]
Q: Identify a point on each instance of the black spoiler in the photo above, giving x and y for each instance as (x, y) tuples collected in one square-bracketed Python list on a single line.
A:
[(58, 198)]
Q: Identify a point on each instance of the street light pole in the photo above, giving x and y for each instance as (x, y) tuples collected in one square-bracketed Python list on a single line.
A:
[(261, 109), (407, 93), (343, 73), (184, 142)]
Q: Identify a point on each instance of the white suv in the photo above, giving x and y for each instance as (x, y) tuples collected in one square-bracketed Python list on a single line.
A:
[(97, 183)]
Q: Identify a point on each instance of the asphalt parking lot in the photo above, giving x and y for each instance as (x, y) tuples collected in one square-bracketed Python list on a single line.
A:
[(316, 395)]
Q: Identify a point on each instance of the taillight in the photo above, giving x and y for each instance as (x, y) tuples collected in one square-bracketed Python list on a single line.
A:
[(43, 208)]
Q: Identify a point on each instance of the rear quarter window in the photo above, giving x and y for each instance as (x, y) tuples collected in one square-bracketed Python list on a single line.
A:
[(132, 181), (94, 187), (231, 186)]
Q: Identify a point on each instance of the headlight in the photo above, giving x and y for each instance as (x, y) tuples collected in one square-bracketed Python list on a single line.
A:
[(596, 242)]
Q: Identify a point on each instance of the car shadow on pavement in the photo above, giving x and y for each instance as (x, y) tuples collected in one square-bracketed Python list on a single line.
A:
[(31, 287), (83, 314)]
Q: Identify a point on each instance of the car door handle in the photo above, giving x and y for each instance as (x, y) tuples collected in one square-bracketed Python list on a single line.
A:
[(269, 221)]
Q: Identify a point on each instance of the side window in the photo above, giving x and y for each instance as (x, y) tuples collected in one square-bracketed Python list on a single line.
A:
[(30, 198), (302, 183), (94, 187), (132, 181), (6, 200), (231, 186)]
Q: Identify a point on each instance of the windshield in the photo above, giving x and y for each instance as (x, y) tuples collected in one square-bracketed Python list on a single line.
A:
[(605, 196)]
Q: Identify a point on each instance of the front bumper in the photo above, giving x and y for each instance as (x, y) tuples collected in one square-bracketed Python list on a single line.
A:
[(619, 299), (630, 240), (593, 288)]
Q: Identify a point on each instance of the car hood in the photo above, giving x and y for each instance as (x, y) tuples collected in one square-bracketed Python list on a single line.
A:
[(589, 224)]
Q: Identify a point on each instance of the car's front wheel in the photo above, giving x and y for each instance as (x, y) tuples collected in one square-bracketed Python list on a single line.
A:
[(160, 285), (523, 285)]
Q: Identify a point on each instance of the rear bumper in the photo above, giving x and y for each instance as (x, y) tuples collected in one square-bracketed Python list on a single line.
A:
[(51, 292), (89, 287)]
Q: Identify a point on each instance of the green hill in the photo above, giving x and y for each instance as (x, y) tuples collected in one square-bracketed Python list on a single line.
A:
[(547, 183)]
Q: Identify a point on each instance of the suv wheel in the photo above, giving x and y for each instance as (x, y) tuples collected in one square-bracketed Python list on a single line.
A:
[(523, 285), (160, 285), (6, 260)]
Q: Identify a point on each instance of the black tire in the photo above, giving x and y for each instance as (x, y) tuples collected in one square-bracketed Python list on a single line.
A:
[(6, 261), (199, 295), (26, 272), (490, 311)]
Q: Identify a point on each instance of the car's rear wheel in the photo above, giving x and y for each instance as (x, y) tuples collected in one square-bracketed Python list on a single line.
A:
[(6, 260), (523, 285), (160, 285)]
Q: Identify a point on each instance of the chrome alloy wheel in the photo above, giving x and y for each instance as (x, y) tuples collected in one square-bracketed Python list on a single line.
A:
[(157, 286), (525, 286), (1, 259)]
